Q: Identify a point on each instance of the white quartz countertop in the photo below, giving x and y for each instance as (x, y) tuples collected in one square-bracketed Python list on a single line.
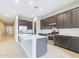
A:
[(75, 35), (31, 36)]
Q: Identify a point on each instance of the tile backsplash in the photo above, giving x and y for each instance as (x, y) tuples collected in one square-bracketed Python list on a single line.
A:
[(67, 31)]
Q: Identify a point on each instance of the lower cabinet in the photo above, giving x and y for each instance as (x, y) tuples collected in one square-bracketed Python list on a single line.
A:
[(74, 44), (68, 42)]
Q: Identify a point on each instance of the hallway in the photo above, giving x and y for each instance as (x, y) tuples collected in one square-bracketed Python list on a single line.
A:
[(9, 48)]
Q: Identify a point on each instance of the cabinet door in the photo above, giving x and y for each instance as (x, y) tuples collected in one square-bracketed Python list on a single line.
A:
[(65, 41), (62, 41), (67, 19), (23, 22), (75, 18), (57, 40), (47, 23), (29, 24), (52, 19), (74, 44), (43, 23), (60, 20)]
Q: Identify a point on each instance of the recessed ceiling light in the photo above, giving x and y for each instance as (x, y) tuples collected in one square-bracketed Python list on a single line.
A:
[(16, 1), (31, 2), (41, 9)]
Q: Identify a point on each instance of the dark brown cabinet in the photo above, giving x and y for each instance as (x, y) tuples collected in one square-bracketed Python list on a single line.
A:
[(68, 42), (29, 24), (52, 19), (60, 20), (22, 22), (64, 20), (45, 23), (67, 19), (74, 44), (75, 18), (62, 41), (25, 23)]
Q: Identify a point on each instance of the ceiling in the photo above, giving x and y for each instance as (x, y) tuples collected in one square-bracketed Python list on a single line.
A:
[(30, 8), (7, 20)]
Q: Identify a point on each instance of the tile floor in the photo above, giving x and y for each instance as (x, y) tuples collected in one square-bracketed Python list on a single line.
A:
[(9, 48)]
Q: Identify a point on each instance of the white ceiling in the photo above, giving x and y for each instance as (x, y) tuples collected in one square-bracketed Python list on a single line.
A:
[(23, 7), (7, 20)]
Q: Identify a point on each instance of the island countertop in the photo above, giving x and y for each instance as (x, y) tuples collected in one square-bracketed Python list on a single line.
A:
[(30, 36)]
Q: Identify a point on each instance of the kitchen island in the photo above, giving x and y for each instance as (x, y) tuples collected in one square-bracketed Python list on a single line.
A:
[(33, 45)]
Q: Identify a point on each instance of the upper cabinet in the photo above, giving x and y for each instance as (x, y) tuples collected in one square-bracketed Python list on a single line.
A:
[(75, 18), (45, 23), (29, 24), (25, 23), (67, 19), (52, 19), (64, 20), (22, 22), (60, 20)]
